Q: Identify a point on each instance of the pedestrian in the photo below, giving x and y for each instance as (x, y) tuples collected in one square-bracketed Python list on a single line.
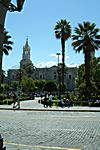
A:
[(13, 95), (50, 100), (45, 101), (18, 103), (14, 105)]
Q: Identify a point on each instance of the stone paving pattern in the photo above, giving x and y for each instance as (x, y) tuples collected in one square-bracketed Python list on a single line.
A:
[(51, 130)]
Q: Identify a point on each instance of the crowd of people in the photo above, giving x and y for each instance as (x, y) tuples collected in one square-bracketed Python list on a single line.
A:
[(61, 102), (47, 101)]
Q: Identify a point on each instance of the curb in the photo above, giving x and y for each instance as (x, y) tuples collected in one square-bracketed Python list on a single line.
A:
[(62, 110)]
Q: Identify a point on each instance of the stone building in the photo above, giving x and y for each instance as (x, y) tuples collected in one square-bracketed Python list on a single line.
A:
[(50, 73)]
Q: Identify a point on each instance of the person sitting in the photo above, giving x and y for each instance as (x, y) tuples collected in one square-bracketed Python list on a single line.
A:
[(67, 102)]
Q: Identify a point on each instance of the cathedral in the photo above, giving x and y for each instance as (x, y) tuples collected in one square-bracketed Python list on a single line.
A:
[(50, 73)]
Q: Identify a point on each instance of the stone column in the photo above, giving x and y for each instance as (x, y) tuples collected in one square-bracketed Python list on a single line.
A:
[(4, 4)]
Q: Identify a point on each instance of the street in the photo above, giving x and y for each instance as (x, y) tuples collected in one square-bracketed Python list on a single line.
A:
[(40, 130)]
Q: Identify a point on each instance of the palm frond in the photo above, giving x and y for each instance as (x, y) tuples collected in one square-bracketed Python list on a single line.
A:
[(62, 29), (8, 47), (97, 37), (79, 48), (7, 43), (86, 33), (5, 51)]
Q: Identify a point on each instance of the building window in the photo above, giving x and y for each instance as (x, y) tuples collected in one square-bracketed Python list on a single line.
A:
[(70, 76), (40, 76), (26, 52), (13, 77), (54, 76)]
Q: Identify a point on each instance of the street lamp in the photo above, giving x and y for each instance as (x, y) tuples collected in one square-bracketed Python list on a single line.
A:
[(58, 54)]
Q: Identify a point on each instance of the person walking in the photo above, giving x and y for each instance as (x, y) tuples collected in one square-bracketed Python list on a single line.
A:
[(46, 100), (50, 100), (18, 103)]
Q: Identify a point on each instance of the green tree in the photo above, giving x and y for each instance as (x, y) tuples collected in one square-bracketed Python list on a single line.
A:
[(27, 85), (50, 86), (85, 93), (80, 75), (29, 69), (20, 74), (39, 84), (7, 45), (95, 69), (14, 85), (95, 74), (93, 91), (63, 32), (86, 39)]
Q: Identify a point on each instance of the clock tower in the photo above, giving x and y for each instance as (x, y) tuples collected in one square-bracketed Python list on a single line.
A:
[(26, 55)]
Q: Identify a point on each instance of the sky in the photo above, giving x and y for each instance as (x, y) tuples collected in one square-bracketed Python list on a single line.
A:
[(37, 21)]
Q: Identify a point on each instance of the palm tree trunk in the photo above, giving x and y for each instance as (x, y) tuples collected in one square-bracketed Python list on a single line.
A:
[(1, 52), (4, 4), (63, 63), (1, 57), (87, 67)]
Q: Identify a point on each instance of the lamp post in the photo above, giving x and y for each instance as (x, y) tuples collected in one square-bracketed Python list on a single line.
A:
[(58, 54), (6, 5)]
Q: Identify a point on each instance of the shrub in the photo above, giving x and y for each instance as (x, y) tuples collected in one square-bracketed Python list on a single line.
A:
[(3, 96), (8, 101)]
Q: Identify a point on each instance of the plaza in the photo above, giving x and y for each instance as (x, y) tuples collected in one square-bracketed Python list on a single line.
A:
[(34, 127), (46, 130)]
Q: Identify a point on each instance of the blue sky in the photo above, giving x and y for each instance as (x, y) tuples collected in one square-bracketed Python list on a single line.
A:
[(37, 21)]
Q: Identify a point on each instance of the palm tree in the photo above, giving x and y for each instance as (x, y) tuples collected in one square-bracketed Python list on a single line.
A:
[(86, 38), (63, 32), (6, 47)]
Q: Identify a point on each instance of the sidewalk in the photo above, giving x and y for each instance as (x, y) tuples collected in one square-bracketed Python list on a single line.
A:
[(33, 105)]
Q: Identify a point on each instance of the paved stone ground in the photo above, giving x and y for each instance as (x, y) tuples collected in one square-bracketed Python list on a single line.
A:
[(36, 130)]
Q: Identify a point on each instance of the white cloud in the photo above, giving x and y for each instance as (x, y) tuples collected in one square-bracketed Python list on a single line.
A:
[(72, 65), (15, 67), (45, 64), (52, 63), (60, 56)]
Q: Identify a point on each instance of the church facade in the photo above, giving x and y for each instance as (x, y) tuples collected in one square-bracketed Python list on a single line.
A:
[(44, 73)]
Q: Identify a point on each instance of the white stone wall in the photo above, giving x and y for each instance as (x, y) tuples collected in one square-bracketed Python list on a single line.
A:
[(50, 74)]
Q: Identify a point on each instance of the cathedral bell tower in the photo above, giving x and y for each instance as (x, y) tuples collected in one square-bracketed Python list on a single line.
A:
[(26, 55)]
